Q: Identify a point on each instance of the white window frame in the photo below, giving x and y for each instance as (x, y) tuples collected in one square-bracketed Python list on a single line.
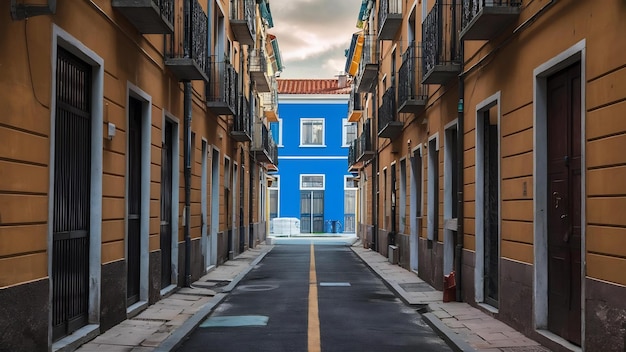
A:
[(280, 133), (311, 119), (323, 187), (344, 132)]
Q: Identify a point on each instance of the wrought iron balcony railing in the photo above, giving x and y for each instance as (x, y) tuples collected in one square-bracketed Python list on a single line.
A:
[(189, 61), (242, 21), (242, 122), (365, 150), (441, 47), (263, 146), (148, 16), (355, 109), (367, 74), (258, 70), (389, 18), (270, 101), (388, 124), (222, 92), (485, 19), (412, 93)]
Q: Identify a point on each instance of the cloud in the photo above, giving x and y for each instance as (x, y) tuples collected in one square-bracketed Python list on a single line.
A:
[(313, 35)]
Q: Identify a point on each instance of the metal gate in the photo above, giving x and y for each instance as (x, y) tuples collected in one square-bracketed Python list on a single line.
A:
[(72, 191), (166, 207), (133, 254)]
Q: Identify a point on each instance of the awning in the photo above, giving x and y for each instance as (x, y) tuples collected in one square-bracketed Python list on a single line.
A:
[(266, 14), (353, 56), (364, 13), (277, 60)]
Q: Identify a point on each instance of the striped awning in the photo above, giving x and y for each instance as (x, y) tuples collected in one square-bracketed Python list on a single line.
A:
[(266, 14), (364, 12), (274, 53), (353, 55)]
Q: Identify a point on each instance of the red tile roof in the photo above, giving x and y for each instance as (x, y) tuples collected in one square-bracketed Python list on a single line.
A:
[(311, 86)]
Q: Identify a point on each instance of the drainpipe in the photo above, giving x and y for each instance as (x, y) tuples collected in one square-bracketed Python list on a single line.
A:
[(187, 151), (374, 136), (459, 210)]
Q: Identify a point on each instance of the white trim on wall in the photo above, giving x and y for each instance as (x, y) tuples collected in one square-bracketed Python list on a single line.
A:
[(413, 220), (433, 223), (448, 205), (479, 224)]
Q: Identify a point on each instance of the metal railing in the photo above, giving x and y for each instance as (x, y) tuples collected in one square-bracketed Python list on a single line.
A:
[(365, 140), (166, 7), (386, 7), (258, 61), (244, 10), (471, 8), (222, 85), (194, 37), (369, 54), (387, 110), (410, 76), (355, 103), (440, 33), (242, 121)]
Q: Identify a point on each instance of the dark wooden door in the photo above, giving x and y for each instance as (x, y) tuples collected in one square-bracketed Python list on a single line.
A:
[(72, 195), (134, 202), (491, 197), (166, 206), (564, 208)]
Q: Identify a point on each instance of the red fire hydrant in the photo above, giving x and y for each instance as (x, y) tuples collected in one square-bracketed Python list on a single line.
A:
[(449, 287)]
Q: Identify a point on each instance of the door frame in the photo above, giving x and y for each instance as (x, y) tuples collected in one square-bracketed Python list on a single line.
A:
[(144, 234), (448, 205), (175, 195), (204, 179), (416, 226), (215, 206), (575, 53), (479, 268), (63, 39)]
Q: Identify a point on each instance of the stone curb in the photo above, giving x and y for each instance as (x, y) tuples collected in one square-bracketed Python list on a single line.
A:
[(177, 337), (450, 337)]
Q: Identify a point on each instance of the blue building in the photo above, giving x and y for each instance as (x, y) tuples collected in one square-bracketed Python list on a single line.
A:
[(313, 136)]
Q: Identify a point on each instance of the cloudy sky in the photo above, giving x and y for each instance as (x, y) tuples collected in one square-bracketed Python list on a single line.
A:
[(313, 35)]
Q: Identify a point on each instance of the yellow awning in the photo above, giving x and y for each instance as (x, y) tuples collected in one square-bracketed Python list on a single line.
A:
[(356, 55)]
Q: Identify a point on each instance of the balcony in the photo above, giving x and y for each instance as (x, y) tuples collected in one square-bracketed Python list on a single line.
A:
[(242, 21), (412, 94), (242, 123), (263, 147), (189, 64), (485, 19), (389, 18), (360, 150), (388, 124), (222, 88), (355, 109), (367, 74), (441, 47), (365, 151), (258, 70), (270, 102), (148, 16)]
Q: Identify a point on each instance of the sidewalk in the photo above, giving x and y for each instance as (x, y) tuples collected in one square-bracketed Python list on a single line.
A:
[(164, 325), (464, 327)]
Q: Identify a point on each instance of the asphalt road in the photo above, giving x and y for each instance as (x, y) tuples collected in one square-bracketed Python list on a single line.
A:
[(295, 300)]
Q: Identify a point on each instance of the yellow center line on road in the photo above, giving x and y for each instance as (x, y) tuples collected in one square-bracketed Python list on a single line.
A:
[(315, 343)]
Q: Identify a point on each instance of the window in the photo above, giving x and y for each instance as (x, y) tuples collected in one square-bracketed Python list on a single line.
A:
[(349, 204), (311, 132), (312, 181), (277, 132), (348, 132), (274, 191)]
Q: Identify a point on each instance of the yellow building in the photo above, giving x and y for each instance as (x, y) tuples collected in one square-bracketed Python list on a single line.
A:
[(492, 147), (132, 156)]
